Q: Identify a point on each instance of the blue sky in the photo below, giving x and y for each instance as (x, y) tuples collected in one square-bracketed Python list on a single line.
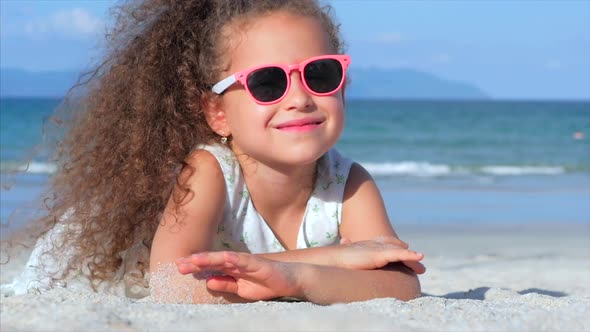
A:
[(511, 49)]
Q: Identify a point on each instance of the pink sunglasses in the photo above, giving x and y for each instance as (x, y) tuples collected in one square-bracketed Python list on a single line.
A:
[(268, 84)]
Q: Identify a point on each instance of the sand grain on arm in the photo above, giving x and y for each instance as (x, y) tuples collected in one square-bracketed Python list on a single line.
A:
[(167, 285)]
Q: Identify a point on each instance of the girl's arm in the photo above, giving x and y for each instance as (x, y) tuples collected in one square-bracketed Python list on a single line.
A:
[(188, 228), (344, 255), (361, 255), (326, 285), (364, 217), (255, 278)]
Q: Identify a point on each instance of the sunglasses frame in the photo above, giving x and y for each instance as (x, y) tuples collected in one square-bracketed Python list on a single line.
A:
[(242, 77)]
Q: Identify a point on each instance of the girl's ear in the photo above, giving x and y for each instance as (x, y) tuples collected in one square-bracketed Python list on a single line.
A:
[(215, 115)]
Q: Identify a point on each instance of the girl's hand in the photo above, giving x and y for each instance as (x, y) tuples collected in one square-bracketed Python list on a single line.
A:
[(374, 254), (249, 276)]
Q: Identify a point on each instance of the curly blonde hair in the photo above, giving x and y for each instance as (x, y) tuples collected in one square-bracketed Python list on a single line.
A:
[(134, 119)]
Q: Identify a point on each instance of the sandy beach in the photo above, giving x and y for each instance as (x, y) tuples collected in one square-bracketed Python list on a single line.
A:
[(511, 278)]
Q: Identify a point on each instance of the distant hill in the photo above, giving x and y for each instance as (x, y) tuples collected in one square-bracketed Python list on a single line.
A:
[(408, 84), (365, 83)]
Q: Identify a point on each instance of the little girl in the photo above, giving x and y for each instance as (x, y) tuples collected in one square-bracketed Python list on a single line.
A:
[(207, 136)]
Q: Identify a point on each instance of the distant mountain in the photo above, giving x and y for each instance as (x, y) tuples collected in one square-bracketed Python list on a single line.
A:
[(408, 84), (365, 83)]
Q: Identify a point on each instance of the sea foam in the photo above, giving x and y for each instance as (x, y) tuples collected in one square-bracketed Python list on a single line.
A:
[(426, 169), (34, 167)]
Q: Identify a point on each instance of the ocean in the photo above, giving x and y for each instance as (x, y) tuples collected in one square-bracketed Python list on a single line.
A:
[(436, 162)]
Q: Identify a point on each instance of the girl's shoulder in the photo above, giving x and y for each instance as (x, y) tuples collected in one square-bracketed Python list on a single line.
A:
[(222, 154), (218, 161), (203, 166)]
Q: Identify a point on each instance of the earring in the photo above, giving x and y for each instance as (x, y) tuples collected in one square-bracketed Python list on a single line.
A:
[(223, 139)]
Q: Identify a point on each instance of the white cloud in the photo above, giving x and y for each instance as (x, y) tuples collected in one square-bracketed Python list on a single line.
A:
[(74, 22), (441, 58), (390, 38), (554, 64)]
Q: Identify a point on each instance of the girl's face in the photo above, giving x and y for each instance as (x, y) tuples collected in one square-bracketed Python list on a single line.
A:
[(267, 132)]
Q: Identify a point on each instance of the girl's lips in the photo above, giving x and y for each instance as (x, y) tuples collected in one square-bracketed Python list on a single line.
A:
[(300, 125)]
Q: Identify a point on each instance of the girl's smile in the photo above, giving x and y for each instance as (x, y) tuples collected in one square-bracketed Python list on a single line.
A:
[(300, 125)]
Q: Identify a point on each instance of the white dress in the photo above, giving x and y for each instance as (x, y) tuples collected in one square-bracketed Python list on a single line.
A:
[(242, 229)]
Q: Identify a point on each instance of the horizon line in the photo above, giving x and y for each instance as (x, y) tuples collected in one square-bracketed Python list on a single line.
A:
[(386, 99)]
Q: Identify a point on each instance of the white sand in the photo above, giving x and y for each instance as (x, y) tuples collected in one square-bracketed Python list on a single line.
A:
[(480, 280)]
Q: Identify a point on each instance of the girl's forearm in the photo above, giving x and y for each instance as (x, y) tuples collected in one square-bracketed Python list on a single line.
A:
[(318, 255), (328, 285), (169, 286), (258, 278)]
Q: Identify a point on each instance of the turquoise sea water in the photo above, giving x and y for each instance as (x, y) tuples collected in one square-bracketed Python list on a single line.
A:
[(442, 162)]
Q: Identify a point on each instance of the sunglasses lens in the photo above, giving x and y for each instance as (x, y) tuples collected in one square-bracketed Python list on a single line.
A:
[(323, 76), (267, 84)]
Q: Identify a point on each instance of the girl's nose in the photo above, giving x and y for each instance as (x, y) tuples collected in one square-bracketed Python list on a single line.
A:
[(297, 98)]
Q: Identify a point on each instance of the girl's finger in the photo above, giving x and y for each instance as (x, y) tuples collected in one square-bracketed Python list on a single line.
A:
[(222, 284), (404, 255), (247, 263), (187, 268), (417, 267), (183, 260), (189, 259), (208, 262), (191, 268), (210, 259)]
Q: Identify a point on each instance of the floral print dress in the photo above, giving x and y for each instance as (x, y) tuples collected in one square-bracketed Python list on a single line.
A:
[(243, 229)]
